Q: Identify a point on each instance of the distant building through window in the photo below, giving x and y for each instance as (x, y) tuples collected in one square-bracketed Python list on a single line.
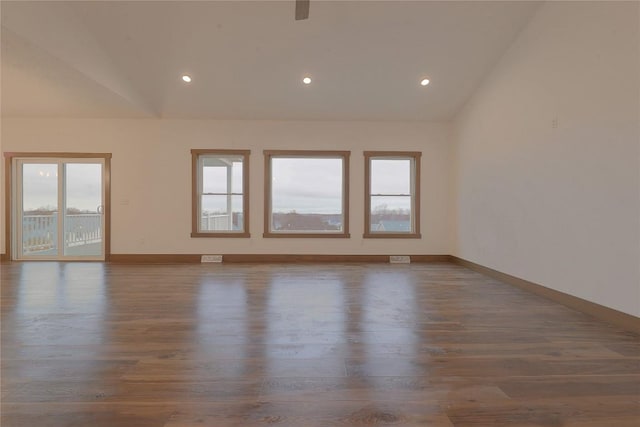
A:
[(220, 193), (392, 194), (306, 193)]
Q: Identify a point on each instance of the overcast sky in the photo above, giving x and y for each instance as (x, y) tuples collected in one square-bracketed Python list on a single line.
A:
[(303, 185), (390, 176), (40, 186), (307, 185)]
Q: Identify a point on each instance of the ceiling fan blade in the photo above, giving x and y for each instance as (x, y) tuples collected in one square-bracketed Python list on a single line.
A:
[(302, 9)]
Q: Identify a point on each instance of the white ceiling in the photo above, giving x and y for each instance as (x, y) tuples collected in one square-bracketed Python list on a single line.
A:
[(247, 59)]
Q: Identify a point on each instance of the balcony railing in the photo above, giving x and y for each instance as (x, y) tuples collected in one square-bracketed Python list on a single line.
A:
[(40, 232), (215, 222), (220, 222), (83, 229)]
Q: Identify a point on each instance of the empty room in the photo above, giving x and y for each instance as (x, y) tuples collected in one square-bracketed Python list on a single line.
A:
[(311, 213)]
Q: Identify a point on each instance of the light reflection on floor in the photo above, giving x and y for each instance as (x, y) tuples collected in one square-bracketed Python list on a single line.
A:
[(302, 311), (230, 345)]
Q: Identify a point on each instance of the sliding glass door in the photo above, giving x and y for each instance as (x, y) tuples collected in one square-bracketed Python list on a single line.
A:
[(59, 209)]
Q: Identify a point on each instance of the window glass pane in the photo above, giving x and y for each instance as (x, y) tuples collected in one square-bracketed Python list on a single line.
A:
[(391, 176), (221, 174), (40, 188), (236, 177), (306, 194), (83, 215), (40, 209), (214, 179), (391, 214), (221, 213)]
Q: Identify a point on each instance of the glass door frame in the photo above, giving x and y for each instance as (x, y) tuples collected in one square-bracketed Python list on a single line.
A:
[(13, 202)]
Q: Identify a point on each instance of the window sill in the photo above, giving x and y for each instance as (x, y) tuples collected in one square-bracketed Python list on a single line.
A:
[(392, 236), (307, 235), (243, 234)]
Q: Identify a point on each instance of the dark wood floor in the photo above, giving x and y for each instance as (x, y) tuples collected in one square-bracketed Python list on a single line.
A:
[(92, 345)]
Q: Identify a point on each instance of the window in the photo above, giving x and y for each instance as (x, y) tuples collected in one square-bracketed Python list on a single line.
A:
[(306, 193), (220, 206), (392, 194)]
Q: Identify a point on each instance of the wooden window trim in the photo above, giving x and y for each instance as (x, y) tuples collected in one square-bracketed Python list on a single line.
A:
[(368, 156), (195, 155), (269, 154), (8, 174)]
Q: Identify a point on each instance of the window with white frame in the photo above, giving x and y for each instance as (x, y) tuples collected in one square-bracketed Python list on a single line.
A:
[(306, 193), (392, 194), (220, 206)]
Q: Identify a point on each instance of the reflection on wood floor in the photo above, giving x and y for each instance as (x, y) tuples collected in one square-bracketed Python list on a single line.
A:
[(92, 344)]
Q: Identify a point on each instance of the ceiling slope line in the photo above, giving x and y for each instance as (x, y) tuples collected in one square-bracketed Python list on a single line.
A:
[(59, 33)]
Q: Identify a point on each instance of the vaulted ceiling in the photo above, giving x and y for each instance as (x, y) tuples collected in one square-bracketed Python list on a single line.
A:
[(247, 58)]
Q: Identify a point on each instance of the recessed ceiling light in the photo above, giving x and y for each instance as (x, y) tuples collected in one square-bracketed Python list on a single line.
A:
[(306, 80), (424, 82), (186, 78)]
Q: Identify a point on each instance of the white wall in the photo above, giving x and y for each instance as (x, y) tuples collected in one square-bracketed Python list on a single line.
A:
[(559, 206), (151, 177)]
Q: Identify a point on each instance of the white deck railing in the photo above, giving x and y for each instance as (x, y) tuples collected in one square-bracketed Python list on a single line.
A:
[(83, 229), (215, 222), (40, 232)]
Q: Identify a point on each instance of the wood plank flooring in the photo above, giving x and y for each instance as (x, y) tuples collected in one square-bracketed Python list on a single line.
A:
[(92, 345)]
